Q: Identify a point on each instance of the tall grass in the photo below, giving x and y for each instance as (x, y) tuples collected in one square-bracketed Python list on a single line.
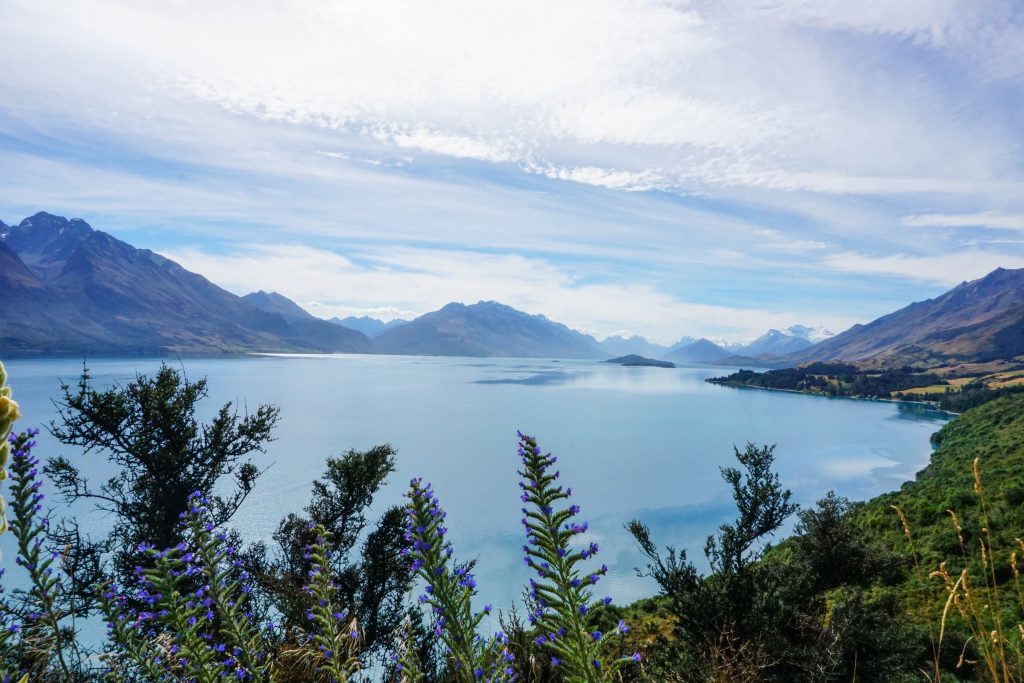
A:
[(987, 613)]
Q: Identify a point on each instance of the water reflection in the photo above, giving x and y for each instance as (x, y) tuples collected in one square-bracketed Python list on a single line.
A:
[(601, 377), (535, 379), (918, 412)]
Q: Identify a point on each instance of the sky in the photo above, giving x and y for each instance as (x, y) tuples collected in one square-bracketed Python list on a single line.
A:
[(667, 168)]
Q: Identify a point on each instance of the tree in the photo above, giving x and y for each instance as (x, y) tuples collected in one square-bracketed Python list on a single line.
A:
[(841, 625), (831, 550), (763, 506), (372, 584), (148, 429), (808, 610), (724, 621)]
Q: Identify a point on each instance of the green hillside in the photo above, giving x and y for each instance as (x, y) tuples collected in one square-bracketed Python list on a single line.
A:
[(993, 433), (967, 555)]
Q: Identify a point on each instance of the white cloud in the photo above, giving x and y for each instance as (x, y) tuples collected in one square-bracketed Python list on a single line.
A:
[(471, 128), (604, 177), (459, 146), (943, 269), (927, 19), (984, 219), (624, 94), (415, 281)]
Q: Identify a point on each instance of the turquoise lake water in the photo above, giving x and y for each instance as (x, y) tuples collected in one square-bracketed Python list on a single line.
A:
[(637, 442)]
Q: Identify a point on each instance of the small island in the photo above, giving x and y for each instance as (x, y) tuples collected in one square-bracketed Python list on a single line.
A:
[(633, 360)]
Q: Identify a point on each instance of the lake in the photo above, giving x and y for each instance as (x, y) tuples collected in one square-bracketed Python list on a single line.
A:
[(632, 442)]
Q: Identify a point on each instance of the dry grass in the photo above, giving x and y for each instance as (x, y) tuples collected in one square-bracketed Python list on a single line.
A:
[(1006, 379), (975, 369), (303, 662), (977, 600), (936, 644), (737, 661), (932, 390)]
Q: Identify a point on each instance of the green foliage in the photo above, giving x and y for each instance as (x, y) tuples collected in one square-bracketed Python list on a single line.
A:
[(725, 622), (763, 506), (195, 623), (565, 614), (337, 643), (974, 395), (946, 516), (371, 579), (449, 593), (37, 624), (149, 431), (805, 611), (834, 379), (994, 433)]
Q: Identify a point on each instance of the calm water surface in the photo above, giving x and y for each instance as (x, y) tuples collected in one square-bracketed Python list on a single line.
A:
[(641, 443)]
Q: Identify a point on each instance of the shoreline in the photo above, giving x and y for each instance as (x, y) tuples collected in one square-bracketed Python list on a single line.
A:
[(931, 404)]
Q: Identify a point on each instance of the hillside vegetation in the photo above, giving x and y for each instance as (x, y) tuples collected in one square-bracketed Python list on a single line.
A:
[(952, 391), (992, 433)]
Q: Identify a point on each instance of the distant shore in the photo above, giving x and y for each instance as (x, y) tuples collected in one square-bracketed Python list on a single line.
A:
[(739, 385)]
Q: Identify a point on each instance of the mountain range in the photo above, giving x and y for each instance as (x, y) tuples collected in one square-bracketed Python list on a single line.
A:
[(68, 288), (487, 328), (371, 327), (635, 345), (977, 321)]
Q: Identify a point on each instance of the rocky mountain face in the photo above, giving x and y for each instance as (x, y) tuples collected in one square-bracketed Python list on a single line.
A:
[(74, 289), (976, 321), (272, 302)]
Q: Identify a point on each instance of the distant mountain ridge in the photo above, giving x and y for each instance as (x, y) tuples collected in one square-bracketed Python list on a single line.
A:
[(272, 302), (633, 360), (811, 334), (67, 288), (774, 342), (632, 346), (371, 327), (700, 351), (486, 328)]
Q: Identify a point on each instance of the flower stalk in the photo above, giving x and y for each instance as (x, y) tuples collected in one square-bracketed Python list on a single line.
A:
[(449, 592), (565, 610)]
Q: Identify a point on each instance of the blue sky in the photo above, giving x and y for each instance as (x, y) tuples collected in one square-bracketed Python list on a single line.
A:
[(665, 168)]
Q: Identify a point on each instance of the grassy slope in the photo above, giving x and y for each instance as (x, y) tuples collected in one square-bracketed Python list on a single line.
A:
[(993, 432)]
